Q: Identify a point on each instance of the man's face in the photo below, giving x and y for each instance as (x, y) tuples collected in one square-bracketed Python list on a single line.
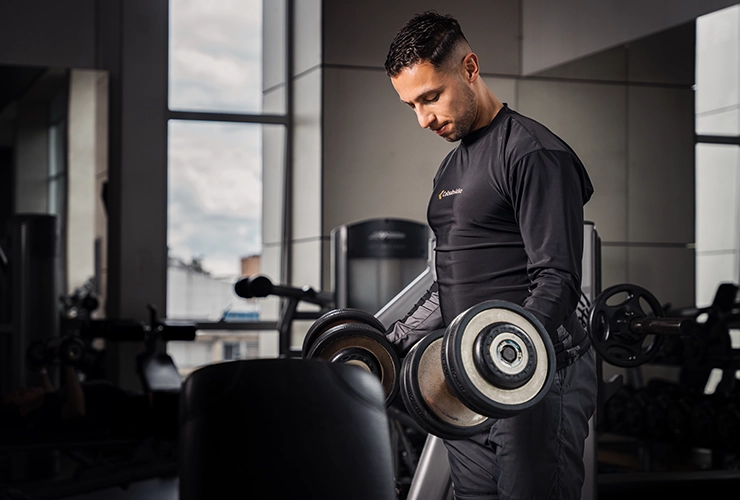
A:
[(443, 100)]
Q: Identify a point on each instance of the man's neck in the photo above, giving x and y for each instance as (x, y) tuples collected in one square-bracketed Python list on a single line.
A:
[(489, 107)]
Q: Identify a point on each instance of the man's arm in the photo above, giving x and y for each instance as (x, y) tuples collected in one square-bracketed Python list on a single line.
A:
[(549, 189), (421, 320)]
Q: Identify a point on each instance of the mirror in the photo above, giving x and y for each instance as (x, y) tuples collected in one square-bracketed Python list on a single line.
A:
[(53, 162)]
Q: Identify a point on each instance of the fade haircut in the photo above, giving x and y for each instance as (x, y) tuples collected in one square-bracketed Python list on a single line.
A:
[(429, 36)]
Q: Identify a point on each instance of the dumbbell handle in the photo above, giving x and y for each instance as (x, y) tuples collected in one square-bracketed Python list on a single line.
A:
[(261, 286), (662, 326)]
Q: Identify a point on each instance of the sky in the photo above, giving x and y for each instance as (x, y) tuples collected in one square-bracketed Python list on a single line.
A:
[(215, 169)]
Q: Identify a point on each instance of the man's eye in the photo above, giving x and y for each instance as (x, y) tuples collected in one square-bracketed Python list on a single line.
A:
[(434, 98)]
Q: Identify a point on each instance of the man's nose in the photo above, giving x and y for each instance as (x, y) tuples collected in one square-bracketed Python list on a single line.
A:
[(425, 118)]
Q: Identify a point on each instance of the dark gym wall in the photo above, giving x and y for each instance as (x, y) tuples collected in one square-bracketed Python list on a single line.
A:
[(48, 33), (6, 190), (556, 33), (129, 40)]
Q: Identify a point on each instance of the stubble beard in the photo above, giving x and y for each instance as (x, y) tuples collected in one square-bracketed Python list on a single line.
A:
[(465, 122)]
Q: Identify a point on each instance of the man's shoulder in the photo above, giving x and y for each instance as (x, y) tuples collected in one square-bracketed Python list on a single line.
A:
[(531, 133), (525, 135)]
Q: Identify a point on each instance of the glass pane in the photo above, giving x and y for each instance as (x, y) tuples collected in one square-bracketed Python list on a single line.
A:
[(214, 217), (717, 63), (722, 122), (717, 218), (216, 56)]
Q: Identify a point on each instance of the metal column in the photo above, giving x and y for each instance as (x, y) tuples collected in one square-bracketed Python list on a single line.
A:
[(35, 292)]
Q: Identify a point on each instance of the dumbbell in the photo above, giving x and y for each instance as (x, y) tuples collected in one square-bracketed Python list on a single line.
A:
[(337, 317), (428, 397), (493, 361), (355, 337)]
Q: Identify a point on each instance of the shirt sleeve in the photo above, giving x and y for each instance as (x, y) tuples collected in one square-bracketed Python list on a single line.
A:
[(423, 319), (547, 190)]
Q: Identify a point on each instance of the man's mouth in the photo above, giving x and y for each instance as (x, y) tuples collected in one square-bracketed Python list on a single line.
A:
[(441, 130)]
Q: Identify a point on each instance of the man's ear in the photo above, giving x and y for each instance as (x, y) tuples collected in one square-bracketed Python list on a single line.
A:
[(470, 66)]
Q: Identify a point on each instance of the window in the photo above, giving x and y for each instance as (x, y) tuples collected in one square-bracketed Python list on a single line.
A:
[(231, 350), (717, 152), (214, 215), (221, 145)]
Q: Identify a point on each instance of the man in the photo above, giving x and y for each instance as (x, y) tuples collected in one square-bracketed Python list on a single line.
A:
[(507, 213)]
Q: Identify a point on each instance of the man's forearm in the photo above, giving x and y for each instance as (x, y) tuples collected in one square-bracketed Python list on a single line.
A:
[(423, 319)]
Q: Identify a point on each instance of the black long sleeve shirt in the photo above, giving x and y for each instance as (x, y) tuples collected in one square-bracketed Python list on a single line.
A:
[(507, 214)]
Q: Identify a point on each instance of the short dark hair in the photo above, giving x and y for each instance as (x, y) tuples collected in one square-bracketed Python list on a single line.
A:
[(429, 36)]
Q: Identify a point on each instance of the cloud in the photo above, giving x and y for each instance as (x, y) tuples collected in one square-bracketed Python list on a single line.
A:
[(216, 55), (215, 193), (222, 71), (222, 162), (215, 169), (220, 239)]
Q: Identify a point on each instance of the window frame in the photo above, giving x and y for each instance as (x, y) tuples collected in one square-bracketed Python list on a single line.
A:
[(286, 120)]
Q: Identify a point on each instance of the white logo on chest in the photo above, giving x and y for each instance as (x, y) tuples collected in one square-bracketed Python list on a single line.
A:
[(444, 193)]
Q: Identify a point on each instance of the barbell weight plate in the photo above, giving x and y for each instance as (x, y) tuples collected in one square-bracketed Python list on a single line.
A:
[(360, 345), (518, 382), (338, 317), (608, 325), (428, 398)]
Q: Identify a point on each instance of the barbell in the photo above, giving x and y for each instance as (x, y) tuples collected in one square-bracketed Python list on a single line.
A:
[(627, 325)]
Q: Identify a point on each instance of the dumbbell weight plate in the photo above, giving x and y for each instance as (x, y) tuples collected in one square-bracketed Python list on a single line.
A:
[(498, 358), (360, 345), (427, 395), (338, 317)]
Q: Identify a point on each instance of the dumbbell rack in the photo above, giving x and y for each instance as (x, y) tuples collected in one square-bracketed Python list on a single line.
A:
[(669, 407)]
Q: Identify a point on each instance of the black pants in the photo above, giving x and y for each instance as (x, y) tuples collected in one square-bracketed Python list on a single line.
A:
[(537, 454)]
